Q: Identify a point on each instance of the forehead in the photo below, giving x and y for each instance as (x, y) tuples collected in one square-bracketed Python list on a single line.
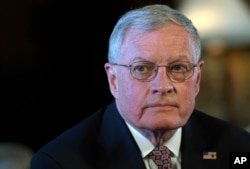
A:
[(167, 43)]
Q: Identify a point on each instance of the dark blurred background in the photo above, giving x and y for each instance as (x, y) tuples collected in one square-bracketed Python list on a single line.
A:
[(52, 76)]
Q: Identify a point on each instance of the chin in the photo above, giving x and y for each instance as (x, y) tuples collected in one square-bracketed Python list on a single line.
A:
[(168, 123)]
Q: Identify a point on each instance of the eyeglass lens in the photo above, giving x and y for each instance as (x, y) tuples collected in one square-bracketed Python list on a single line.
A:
[(177, 71)]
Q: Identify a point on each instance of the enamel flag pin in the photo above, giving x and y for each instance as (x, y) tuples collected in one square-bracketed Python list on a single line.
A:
[(209, 155)]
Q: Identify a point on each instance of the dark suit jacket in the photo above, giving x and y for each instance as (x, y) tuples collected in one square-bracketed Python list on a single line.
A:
[(103, 141)]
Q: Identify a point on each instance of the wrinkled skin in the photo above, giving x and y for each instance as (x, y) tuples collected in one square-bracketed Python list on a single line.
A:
[(158, 107)]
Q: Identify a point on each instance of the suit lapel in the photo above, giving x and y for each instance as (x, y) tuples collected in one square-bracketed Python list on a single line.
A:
[(118, 148), (194, 143)]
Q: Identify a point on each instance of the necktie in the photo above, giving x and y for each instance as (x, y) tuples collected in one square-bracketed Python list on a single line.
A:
[(161, 157)]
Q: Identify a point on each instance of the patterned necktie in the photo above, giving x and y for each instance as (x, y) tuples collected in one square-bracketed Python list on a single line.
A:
[(161, 157)]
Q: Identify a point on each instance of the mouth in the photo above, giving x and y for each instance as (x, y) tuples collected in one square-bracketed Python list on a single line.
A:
[(162, 105)]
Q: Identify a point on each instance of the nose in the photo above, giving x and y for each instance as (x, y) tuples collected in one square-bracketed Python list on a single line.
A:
[(161, 83)]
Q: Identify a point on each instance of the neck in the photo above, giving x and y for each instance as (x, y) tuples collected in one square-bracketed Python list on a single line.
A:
[(158, 137)]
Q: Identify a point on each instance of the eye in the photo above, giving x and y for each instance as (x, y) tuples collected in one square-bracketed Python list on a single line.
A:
[(143, 67), (140, 68), (179, 67)]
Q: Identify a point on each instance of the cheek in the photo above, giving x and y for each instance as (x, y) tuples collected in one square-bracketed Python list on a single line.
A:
[(130, 99), (130, 88), (131, 93), (188, 97)]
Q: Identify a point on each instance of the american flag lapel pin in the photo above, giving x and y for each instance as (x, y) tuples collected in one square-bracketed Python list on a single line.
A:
[(209, 155)]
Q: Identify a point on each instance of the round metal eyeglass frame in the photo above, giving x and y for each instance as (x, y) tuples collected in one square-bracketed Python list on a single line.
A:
[(178, 71)]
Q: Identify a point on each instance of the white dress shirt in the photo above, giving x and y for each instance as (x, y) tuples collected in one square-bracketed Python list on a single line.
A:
[(146, 147)]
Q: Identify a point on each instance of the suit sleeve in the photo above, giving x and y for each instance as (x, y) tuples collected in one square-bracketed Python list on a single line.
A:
[(42, 161)]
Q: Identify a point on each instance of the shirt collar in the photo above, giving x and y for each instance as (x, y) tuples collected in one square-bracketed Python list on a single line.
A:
[(146, 146)]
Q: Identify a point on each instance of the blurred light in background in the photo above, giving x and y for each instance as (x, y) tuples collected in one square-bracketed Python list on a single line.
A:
[(224, 28), (223, 20)]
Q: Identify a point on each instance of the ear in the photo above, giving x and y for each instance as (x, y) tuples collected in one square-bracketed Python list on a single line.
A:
[(198, 80), (111, 75)]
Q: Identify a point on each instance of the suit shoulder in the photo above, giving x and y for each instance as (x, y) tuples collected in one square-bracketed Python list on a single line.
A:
[(218, 127), (82, 133)]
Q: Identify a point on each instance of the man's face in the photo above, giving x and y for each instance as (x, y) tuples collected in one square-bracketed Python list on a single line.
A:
[(158, 104)]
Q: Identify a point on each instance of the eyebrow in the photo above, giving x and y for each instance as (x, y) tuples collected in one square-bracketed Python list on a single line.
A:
[(138, 58), (179, 59)]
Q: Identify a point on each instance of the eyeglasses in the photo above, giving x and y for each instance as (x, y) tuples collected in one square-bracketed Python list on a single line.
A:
[(146, 71)]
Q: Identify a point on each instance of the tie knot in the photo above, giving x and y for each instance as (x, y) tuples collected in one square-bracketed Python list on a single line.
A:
[(161, 157)]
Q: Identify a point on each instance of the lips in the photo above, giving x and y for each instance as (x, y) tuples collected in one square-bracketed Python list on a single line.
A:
[(163, 104)]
